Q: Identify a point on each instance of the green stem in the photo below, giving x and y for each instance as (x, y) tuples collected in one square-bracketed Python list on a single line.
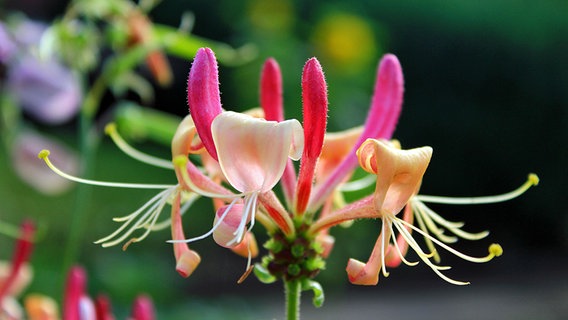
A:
[(293, 293), (87, 146)]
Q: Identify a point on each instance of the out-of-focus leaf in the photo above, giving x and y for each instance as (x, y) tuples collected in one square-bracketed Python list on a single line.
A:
[(134, 82), (137, 122), (185, 45)]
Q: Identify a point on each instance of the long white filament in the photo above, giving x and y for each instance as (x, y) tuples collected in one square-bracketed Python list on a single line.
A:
[(44, 155), (210, 232), (110, 129), (532, 180)]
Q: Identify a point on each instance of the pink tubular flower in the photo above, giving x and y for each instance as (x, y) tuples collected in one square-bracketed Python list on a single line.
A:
[(16, 276)]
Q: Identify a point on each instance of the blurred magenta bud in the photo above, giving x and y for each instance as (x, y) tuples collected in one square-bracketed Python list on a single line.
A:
[(143, 308), (24, 158)]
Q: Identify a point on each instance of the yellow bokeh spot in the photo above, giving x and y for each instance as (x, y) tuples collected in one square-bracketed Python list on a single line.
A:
[(346, 40), (271, 15)]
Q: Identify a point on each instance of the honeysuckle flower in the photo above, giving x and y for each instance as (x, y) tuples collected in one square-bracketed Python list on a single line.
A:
[(399, 174), (245, 155)]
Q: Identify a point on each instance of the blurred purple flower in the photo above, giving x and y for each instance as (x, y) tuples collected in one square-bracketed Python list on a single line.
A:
[(46, 90), (24, 157), (7, 45)]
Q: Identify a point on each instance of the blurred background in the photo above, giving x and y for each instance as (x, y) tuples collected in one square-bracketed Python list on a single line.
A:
[(486, 85)]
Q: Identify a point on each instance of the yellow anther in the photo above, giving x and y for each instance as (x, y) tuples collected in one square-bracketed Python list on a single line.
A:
[(533, 179), (110, 128), (43, 154), (495, 250)]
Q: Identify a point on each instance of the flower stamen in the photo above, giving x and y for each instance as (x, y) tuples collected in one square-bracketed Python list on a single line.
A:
[(532, 180), (44, 155), (112, 131), (210, 232)]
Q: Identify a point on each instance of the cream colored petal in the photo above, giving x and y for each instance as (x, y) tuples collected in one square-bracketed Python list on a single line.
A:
[(185, 139), (336, 147), (225, 232), (399, 172), (253, 152)]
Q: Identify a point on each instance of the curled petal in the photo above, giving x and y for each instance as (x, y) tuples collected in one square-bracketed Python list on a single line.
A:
[(187, 260), (368, 273), (185, 139), (336, 147), (253, 152), (203, 95), (248, 245), (314, 100), (399, 172), (225, 232)]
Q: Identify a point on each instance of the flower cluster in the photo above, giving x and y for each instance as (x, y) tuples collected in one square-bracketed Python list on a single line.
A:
[(77, 305), (238, 159)]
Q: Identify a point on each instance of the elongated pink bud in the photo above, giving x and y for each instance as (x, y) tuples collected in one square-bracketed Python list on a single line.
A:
[(387, 101), (203, 95), (314, 100), (271, 91), (74, 291), (143, 308), (103, 308), (271, 101), (383, 115), (21, 255)]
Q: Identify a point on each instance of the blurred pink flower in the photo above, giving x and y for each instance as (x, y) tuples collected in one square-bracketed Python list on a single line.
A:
[(24, 160)]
